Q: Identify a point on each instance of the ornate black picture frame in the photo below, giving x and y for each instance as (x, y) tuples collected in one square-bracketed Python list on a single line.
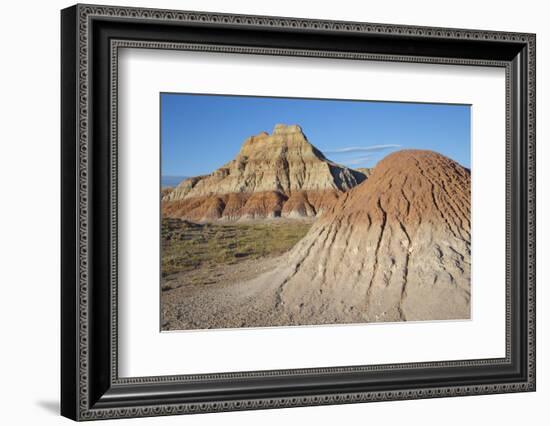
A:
[(91, 36)]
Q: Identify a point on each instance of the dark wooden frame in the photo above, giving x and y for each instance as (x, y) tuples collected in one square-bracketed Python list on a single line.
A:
[(90, 386)]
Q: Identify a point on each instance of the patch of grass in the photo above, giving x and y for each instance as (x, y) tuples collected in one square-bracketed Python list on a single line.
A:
[(187, 246)]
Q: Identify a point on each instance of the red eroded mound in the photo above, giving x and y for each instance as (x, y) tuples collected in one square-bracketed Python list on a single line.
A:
[(396, 247)]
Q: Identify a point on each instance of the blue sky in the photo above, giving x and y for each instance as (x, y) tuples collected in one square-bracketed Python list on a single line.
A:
[(200, 133)]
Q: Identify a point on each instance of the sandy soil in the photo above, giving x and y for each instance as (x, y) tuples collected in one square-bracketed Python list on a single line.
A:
[(247, 294), (221, 298)]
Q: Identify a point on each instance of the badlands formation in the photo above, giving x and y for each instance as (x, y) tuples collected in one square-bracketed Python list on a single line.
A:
[(395, 247), (277, 175)]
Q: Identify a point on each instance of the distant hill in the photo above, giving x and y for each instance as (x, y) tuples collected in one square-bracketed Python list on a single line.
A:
[(366, 171)]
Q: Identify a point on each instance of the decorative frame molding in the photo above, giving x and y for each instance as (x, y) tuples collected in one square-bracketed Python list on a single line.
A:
[(91, 388)]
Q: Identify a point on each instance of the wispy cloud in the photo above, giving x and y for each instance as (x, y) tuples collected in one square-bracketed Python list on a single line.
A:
[(358, 161), (354, 149), (365, 156)]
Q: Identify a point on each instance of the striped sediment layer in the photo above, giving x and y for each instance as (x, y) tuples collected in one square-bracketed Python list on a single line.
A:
[(281, 174)]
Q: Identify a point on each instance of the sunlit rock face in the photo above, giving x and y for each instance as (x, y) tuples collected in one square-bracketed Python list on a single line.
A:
[(281, 174)]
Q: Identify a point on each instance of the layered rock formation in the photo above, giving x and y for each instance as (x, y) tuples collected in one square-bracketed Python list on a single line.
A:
[(394, 248), (165, 191), (281, 174)]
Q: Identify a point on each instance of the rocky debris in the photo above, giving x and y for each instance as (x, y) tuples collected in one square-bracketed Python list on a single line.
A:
[(268, 172)]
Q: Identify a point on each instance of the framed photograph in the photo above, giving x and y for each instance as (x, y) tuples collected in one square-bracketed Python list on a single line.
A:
[(263, 212)]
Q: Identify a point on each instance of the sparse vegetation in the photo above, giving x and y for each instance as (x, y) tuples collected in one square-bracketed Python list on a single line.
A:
[(187, 246)]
